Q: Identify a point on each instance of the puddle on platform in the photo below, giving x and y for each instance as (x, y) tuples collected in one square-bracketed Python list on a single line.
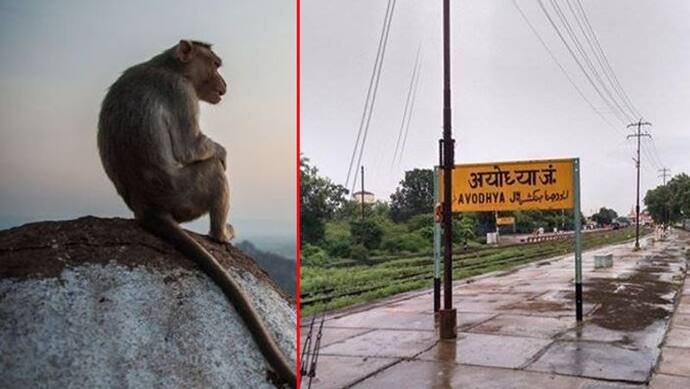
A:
[(632, 302), (536, 306)]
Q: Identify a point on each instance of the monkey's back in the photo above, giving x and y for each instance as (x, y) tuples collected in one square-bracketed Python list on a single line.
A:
[(133, 132)]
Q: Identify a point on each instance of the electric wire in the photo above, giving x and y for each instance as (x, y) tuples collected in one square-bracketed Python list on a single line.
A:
[(575, 58), (605, 59), (656, 152), (369, 90), (407, 105), (561, 67), (590, 43), (406, 110), (409, 119), (621, 107), (580, 15), (599, 85), (373, 99)]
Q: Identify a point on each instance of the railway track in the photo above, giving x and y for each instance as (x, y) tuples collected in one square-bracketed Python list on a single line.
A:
[(414, 272)]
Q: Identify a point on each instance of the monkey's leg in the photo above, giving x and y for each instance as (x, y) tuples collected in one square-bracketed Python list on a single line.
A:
[(205, 191), (212, 184), (218, 201), (218, 212)]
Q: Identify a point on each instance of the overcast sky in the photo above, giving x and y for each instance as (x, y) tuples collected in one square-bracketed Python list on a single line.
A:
[(510, 99), (58, 60)]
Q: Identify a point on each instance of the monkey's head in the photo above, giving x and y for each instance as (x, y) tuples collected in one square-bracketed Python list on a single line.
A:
[(200, 65)]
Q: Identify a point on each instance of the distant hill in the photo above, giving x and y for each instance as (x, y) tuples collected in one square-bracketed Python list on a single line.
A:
[(279, 268)]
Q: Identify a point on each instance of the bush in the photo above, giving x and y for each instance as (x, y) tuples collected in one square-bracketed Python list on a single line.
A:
[(464, 229), (337, 239), (420, 221), (311, 255), (336, 231), (414, 243), (340, 249), (427, 233), (359, 252), (410, 242), (367, 233)]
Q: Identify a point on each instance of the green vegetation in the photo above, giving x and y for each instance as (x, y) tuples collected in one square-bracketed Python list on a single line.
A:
[(319, 198), (670, 203), (605, 216), (353, 253), (345, 283), (333, 229)]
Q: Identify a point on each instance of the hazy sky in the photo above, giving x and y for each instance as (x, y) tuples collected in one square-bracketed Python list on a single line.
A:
[(58, 60), (510, 100)]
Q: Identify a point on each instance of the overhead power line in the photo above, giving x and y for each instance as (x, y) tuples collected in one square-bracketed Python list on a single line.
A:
[(579, 38), (578, 12), (561, 67), (579, 20), (596, 81), (655, 152), (409, 118), (605, 59), (373, 99), (407, 105), (411, 112), (372, 81)]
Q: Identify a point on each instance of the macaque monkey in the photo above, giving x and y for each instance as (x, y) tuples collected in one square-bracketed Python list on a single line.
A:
[(168, 172)]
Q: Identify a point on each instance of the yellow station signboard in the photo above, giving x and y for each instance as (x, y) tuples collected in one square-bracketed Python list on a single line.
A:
[(505, 220), (511, 186)]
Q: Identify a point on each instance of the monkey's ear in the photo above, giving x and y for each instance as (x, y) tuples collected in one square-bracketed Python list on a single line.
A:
[(184, 50)]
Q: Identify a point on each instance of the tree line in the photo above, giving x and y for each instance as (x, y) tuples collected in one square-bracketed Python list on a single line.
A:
[(670, 203), (332, 226)]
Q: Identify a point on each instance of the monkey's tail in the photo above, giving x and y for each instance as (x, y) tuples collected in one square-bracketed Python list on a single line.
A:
[(167, 229)]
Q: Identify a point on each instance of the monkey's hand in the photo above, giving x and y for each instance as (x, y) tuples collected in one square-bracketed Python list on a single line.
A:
[(221, 154)]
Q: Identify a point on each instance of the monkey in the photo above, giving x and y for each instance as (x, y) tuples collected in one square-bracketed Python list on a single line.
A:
[(168, 172)]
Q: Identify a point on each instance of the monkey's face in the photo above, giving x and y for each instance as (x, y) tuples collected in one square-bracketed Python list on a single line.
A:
[(201, 69)]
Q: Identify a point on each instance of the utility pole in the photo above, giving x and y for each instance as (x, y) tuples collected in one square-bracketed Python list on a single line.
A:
[(496, 222), (362, 193), (638, 135), (664, 172), (448, 315)]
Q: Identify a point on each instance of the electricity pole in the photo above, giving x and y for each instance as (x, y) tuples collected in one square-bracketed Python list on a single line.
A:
[(448, 315), (362, 193), (638, 135), (664, 172)]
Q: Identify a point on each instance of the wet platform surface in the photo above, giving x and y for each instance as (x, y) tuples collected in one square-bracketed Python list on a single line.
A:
[(517, 329), (673, 369)]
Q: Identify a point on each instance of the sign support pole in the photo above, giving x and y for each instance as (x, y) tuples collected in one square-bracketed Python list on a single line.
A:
[(578, 240), (448, 315), (437, 250)]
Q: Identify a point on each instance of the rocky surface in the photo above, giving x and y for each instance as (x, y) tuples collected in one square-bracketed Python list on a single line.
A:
[(101, 303)]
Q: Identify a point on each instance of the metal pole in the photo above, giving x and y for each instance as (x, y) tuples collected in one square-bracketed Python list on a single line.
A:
[(639, 135), (362, 194), (578, 240), (496, 222), (437, 249), (448, 316), (637, 203)]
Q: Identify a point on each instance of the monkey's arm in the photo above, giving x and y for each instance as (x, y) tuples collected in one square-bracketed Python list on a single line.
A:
[(191, 145)]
